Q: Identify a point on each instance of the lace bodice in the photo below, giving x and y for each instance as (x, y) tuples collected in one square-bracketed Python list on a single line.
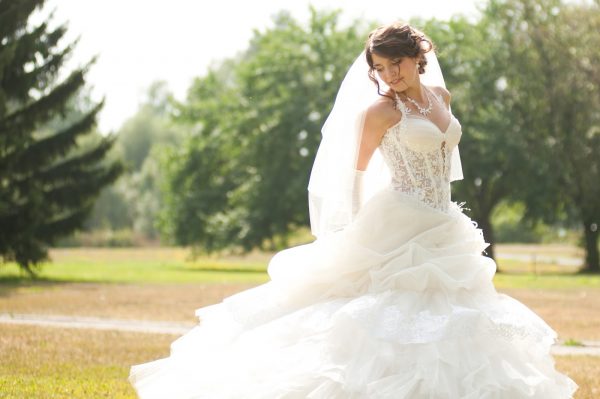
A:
[(418, 155)]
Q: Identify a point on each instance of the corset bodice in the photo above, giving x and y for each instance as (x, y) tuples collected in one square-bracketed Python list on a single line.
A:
[(418, 154)]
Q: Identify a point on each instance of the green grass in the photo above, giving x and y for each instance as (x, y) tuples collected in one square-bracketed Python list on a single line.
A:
[(140, 265), (572, 342), (73, 381), (520, 274), (547, 281), (46, 362), (172, 265)]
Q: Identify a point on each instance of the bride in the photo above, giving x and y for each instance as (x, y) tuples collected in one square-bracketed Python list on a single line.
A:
[(394, 298)]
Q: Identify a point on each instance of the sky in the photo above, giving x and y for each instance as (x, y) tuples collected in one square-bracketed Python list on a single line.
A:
[(141, 41)]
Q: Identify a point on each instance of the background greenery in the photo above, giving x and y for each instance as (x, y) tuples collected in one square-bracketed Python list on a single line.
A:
[(226, 169)]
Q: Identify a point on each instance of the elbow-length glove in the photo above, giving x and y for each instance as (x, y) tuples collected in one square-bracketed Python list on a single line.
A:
[(357, 192)]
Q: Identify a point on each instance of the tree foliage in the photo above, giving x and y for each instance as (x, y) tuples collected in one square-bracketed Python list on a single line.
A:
[(48, 182), (524, 79), (241, 178), (554, 82), (134, 201)]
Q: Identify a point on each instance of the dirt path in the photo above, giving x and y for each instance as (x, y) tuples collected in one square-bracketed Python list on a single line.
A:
[(97, 323), (573, 314)]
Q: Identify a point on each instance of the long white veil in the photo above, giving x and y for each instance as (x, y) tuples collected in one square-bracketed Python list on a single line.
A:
[(332, 178)]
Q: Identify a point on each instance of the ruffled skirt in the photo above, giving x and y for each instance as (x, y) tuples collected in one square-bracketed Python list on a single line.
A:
[(398, 305)]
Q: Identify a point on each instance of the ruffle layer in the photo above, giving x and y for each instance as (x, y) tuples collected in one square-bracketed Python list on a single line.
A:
[(398, 305)]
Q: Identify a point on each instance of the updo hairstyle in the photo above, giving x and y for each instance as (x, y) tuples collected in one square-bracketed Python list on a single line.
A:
[(396, 40)]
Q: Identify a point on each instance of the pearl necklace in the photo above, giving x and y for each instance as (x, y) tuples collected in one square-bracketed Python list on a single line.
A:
[(422, 111)]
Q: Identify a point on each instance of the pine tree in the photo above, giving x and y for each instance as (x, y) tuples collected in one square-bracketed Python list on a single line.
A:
[(48, 183)]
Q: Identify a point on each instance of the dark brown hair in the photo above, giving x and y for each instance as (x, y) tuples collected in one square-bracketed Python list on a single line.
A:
[(397, 40)]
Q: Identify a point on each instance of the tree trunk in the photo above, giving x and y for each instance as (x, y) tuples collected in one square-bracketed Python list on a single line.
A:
[(591, 247)]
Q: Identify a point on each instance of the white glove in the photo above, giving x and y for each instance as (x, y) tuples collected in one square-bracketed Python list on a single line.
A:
[(357, 191)]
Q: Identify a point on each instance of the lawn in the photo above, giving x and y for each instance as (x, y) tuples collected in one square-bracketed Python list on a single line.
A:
[(173, 265), (84, 364), (46, 362), (163, 284), (142, 265)]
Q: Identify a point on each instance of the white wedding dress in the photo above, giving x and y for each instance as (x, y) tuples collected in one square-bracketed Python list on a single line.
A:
[(398, 305)]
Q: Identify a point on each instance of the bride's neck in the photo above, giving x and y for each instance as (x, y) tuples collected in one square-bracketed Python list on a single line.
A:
[(416, 92)]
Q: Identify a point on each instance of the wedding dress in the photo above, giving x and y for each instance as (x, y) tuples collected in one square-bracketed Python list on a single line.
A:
[(400, 304)]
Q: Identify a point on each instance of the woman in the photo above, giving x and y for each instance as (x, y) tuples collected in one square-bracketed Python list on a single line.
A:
[(394, 299)]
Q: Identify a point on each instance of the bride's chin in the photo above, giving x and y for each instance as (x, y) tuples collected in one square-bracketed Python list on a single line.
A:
[(399, 87)]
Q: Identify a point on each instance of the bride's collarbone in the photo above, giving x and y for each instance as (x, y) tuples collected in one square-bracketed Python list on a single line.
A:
[(390, 116), (442, 123)]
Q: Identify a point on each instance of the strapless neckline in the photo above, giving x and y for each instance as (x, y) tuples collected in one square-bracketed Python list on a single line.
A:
[(437, 128), (452, 118)]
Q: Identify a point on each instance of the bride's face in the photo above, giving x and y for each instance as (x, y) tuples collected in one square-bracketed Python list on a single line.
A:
[(398, 73)]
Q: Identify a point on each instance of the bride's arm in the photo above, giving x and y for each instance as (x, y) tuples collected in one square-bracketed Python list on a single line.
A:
[(377, 121), (375, 125)]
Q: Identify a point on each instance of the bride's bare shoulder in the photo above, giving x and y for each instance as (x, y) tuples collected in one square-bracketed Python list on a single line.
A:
[(443, 92), (381, 115)]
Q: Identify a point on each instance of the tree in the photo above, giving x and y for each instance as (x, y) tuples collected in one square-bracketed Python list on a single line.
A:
[(290, 100), (135, 199), (150, 125), (241, 178), (553, 78), (201, 173), (48, 182)]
